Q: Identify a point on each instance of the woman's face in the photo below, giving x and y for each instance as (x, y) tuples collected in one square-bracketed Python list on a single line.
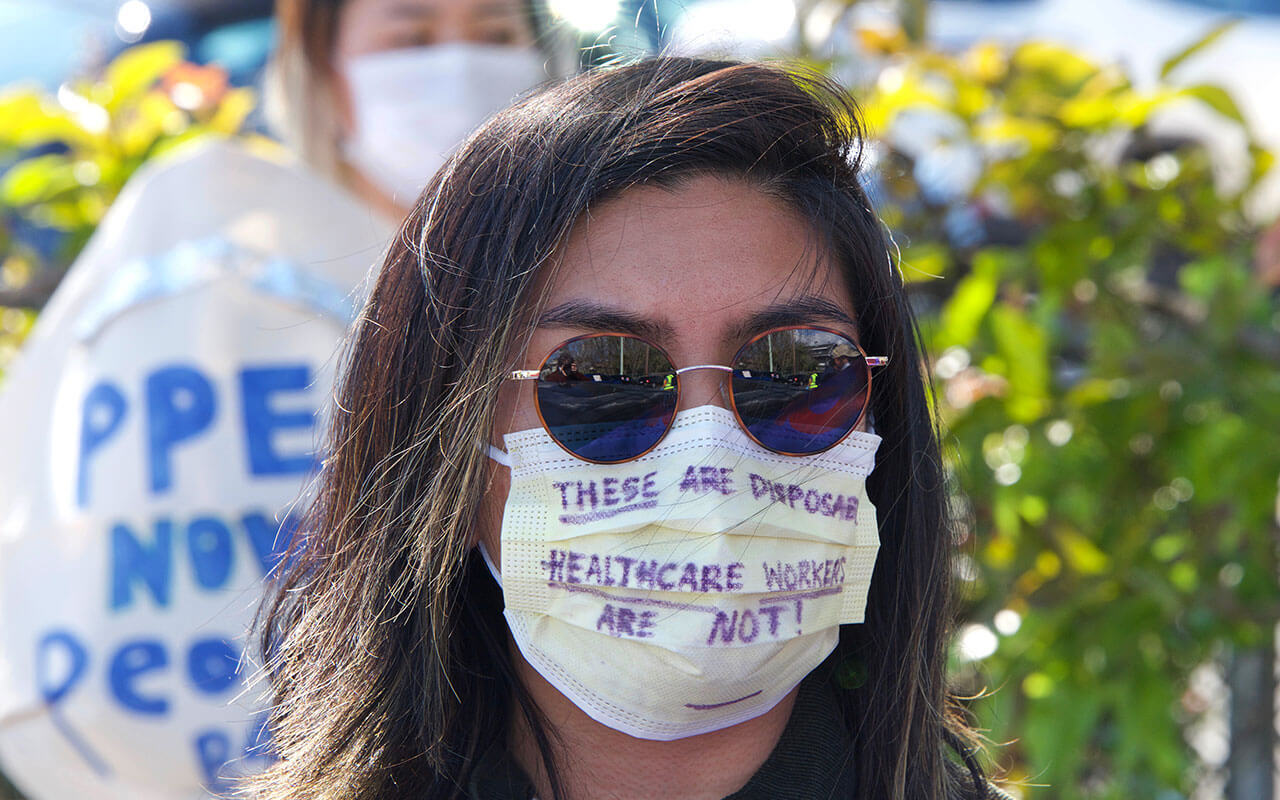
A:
[(697, 270), (374, 26)]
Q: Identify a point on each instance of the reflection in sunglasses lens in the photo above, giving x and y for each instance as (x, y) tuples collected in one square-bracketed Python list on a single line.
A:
[(607, 398), (801, 390)]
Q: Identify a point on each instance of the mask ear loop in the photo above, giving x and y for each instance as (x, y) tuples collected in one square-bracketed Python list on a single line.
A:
[(488, 562), (501, 456), (504, 459)]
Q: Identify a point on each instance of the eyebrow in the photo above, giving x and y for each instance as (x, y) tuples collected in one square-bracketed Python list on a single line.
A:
[(601, 318), (802, 310)]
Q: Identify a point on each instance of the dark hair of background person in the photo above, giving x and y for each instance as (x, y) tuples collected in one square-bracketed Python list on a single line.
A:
[(392, 672)]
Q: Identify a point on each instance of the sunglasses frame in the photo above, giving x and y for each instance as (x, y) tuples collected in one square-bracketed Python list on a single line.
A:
[(870, 362)]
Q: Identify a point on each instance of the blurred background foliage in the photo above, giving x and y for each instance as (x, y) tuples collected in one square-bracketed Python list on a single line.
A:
[(1108, 372), (1107, 362), (67, 155)]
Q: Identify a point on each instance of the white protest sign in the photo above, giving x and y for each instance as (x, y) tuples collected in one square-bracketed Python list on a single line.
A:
[(154, 435)]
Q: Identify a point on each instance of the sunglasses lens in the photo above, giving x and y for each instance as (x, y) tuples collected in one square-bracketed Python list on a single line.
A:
[(607, 398), (800, 390)]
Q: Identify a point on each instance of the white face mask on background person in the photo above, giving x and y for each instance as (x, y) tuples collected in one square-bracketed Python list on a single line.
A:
[(413, 106), (690, 589)]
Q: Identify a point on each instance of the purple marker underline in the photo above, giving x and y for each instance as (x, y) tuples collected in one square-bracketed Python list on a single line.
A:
[(766, 602), (646, 601), (593, 516), (806, 596), (697, 707)]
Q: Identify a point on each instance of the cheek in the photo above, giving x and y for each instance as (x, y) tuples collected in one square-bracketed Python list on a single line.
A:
[(357, 30), (340, 94), (350, 41), (514, 411)]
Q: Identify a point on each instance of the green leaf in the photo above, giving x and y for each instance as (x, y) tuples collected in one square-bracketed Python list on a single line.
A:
[(1083, 556), (1212, 35), (137, 69), (1024, 346), (1262, 161), (1138, 108), (1218, 99), (37, 180), (1086, 111), (1066, 67), (235, 107), (1002, 129), (966, 308), (27, 119), (972, 298)]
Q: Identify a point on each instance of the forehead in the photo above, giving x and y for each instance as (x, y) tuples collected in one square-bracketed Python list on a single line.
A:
[(433, 9), (698, 257)]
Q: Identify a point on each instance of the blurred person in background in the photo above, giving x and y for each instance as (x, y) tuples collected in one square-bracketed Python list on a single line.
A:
[(375, 93), (164, 403)]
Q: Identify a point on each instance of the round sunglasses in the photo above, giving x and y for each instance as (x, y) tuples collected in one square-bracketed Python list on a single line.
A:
[(611, 397)]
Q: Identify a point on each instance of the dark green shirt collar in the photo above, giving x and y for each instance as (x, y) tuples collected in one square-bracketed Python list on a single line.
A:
[(813, 759)]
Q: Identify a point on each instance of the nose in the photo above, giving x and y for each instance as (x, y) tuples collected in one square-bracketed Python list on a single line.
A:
[(704, 384)]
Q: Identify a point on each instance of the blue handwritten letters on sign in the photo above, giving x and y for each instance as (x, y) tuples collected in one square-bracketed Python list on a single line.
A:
[(183, 549), (181, 404)]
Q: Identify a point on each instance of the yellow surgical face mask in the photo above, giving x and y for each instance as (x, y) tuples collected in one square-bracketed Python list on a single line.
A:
[(690, 589)]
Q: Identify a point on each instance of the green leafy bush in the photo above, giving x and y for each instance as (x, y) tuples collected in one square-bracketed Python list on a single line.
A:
[(1109, 375), (87, 140)]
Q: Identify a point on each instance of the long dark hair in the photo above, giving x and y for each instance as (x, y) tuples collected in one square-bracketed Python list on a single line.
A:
[(390, 665)]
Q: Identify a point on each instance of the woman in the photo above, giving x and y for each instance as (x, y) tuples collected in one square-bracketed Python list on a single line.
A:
[(681, 557)]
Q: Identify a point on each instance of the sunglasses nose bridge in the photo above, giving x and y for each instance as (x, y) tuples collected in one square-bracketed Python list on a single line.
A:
[(704, 384)]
